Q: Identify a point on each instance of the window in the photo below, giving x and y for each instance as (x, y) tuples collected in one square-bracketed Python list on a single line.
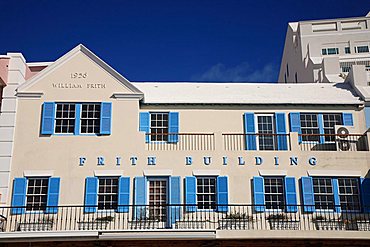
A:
[(265, 129), (347, 50), (37, 194), (108, 193), (65, 118), (159, 126), (329, 51), (330, 120), (349, 194), (206, 192), (274, 192), (158, 199), (309, 125), (362, 49), (323, 193), (90, 118)]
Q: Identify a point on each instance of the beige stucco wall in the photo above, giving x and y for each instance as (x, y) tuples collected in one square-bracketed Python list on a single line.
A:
[(61, 153)]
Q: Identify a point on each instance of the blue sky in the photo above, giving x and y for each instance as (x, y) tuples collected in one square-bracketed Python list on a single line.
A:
[(147, 40)]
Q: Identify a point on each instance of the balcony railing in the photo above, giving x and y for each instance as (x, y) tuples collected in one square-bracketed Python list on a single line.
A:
[(333, 142), (223, 217), (180, 141), (272, 142)]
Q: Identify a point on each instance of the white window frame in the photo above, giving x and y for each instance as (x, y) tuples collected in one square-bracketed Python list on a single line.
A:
[(154, 179), (358, 195), (273, 130), (209, 193), (97, 119), (104, 193), (165, 139), (283, 193), (318, 194), (64, 118), (39, 194)]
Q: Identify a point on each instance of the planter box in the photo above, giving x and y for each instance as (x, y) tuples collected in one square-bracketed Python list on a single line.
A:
[(361, 225), (34, 226), (146, 224), (329, 225), (93, 225), (190, 225), (235, 224), (284, 224)]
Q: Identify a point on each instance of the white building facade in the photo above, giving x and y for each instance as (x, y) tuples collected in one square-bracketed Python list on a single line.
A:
[(95, 156)]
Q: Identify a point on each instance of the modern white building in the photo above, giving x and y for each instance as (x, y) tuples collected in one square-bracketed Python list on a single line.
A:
[(325, 50)]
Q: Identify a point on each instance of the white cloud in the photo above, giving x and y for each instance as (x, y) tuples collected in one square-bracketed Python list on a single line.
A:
[(242, 72)]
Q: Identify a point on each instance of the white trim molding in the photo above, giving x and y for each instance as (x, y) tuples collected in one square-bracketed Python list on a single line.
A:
[(108, 173), (38, 173), (206, 172), (157, 172), (272, 172), (334, 173)]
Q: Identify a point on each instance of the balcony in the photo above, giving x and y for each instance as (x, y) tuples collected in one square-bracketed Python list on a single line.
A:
[(256, 142), (334, 142), (261, 142), (185, 217), (180, 141)]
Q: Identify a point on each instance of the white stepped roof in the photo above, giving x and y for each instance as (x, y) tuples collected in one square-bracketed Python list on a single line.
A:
[(246, 93)]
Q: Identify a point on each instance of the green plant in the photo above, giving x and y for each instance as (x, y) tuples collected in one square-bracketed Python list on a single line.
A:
[(105, 218), (46, 220), (239, 216), (277, 217)]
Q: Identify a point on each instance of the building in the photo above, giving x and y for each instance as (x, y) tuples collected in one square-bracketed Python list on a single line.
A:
[(325, 50), (91, 156)]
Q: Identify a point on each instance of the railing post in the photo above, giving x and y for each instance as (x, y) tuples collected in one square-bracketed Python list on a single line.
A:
[(367, 140), (219, 146), (294, 144)]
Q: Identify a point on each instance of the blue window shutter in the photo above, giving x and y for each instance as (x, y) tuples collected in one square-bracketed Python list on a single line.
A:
[(48, 115), (259, 194), (175, 199), (53, 195), (307, 194), (250, 131), (173, 129), (295, 124), (347, 119), (144, 124), (191, 193), (367, 116), (320, 122), (91, 194), (106, 118), (123, 195), (336, 195), (78, 119), (290, 195), (140, 198), (281, 129), (222, 194), (365, 194), (19, 195)]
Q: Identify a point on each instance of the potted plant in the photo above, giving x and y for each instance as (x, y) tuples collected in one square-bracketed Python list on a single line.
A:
[(356, 223), (99, 223), (147, 222), (282, 222), (236, 221), (323, 222), (41, 224)]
